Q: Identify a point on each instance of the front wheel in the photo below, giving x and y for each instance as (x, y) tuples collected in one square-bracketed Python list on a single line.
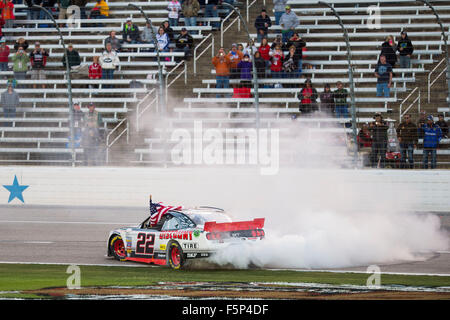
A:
[(118, 248), (175, 255)]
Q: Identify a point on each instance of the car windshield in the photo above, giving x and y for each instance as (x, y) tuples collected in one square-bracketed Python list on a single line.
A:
[(201, 218)]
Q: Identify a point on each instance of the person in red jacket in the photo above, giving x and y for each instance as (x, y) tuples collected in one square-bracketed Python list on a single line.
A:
[(276, 59), (2, 23), (4, 56), (95, 71), (7, 7)]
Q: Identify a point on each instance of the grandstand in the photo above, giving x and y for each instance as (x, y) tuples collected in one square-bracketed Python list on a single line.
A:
[(131, 119)]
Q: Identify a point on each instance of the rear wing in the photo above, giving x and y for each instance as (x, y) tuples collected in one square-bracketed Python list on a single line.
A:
[(212, 226)]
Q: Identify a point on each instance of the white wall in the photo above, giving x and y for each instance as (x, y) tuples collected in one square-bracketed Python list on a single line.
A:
[(424, 190)]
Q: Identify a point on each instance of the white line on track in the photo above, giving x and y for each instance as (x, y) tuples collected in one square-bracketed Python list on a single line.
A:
[(67, 222), (79, 264), (355, 271)]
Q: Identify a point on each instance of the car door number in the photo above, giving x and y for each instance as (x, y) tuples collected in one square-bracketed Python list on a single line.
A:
[(145, 243)]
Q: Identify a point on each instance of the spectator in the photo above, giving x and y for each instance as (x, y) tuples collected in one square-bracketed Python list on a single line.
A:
[(276, 64), (9, 102), (163, 40), (262, 25), (212, 12), (308, 97), (20, 64), (245, 68), (7, 7), (299, 44), (32, 13), (364, 137), (443, 125), (109, 61), (47, 4), (288, 22), (278, 8), (130, 33), (116, 43), (383, 73), (103, 8), (95, 71), (190, 9), (93, 118), (432, 136), (250, 49), (408, 138), (378, 129), (38, 59), (388, 49), (2, 23), (174, 7), (264, 49), (78, 123), (4, 55), (168, 30), (185, 43), (21, 42), (340, 100), (73, 57), (278, 42), (290, 63), (91, 143), (420, 123), (406, 49), (235, 57), (222, 64), (327, 100), (147, 33), (63, 5), (260, 65)]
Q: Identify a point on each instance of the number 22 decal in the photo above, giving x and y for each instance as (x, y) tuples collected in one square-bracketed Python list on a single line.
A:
[(145, 243)]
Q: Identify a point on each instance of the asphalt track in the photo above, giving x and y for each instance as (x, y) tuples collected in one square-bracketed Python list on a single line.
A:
[(77, 235)]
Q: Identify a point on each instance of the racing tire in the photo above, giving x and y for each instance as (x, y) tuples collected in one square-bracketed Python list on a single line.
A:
[(117, 248), (175, 256)]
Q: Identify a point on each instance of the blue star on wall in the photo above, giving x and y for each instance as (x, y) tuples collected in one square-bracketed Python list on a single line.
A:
[(15, 190)]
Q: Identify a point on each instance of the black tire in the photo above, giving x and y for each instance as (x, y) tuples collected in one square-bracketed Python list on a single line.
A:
[(117, 248), (175, 257)]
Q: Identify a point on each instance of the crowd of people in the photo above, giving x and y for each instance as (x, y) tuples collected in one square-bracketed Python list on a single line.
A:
[(283, 58), (375, 138)]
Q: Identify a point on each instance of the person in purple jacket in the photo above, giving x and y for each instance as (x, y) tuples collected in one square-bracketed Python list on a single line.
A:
[(245, 68)]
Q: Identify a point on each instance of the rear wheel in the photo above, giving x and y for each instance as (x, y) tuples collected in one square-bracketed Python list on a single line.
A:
[(175, 255), (118, 248)]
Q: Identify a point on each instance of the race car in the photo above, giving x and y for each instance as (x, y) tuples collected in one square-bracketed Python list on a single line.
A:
[(180, 235)]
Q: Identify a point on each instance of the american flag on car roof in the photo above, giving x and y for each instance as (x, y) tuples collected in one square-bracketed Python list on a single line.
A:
[(158, 210)]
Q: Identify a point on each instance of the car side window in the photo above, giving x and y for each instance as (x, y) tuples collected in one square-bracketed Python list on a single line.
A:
[(171, 224)]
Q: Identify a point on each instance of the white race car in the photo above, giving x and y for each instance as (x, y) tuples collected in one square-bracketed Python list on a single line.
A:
[(181, 235)]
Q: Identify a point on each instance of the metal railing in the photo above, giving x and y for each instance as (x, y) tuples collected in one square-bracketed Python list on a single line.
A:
[(143, 106), (184, 72), (222, 24), (126, 130), (197, 56), (431, 82), (416, 100)]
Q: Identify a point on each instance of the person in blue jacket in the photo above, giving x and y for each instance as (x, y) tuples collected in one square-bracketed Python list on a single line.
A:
[(432, 134)]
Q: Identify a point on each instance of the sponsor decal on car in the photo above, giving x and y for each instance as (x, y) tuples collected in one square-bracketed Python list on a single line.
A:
[(162, 247), (180, 235), (190, 245)]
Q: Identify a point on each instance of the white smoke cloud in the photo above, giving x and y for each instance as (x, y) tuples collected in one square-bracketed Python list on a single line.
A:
[(327, 218)]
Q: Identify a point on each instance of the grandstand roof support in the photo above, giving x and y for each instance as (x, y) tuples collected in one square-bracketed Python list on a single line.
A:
[(255, 73), (162, 99), (352, 84), (69, 85), (444, 38)]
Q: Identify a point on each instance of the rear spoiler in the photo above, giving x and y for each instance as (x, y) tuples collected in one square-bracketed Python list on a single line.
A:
[(212, 226)]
